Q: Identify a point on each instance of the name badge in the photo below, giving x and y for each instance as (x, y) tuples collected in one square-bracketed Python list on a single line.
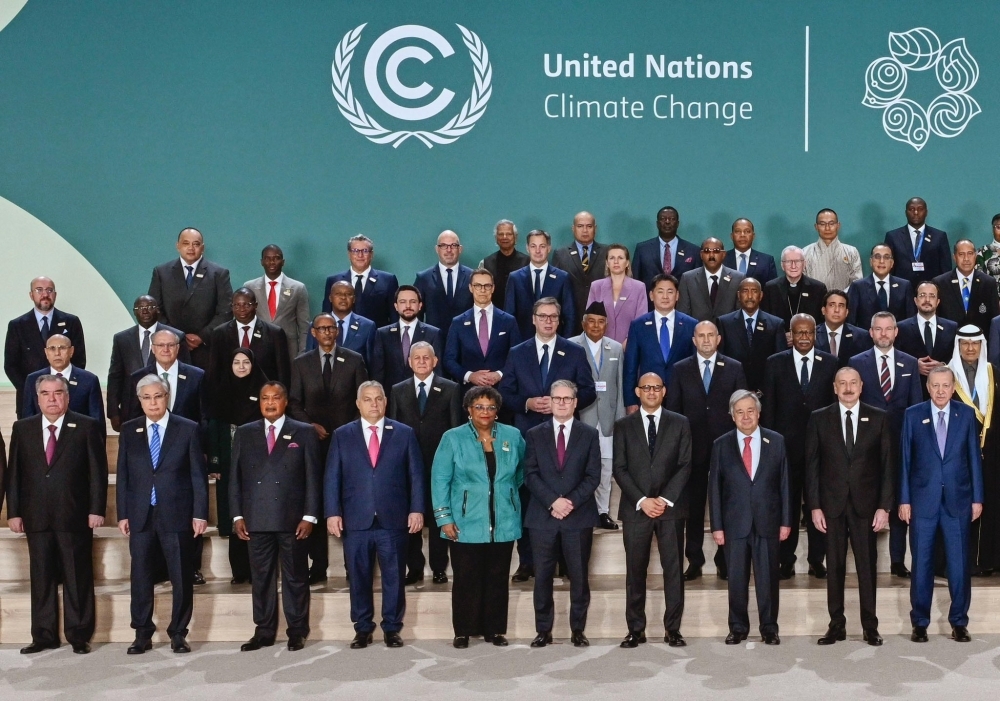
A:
[(805, 294), (61, 323), (926, 421), (436, 389), (287, 438), (70, 425), (200, 275), (720, 364), (764, 439), (287, 293), (340, 360), (468, 323), (623, 299), (895, 284), (864, 418), (552, 275), (918, 267), (182, 377), (560, 353), (753, 262), (601, 386), (73, 382)]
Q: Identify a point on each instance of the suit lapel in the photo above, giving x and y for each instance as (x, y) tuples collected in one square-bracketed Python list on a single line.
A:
[(281, 440), (674, 345), (65, 436), (383, 446)]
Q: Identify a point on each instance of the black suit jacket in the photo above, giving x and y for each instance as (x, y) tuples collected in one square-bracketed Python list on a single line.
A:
[(190, 399), (739, 505), (438, 310), (568, 259), (776, 300), (665, 475), (57, 497), (577, 480), (910, 338), (851, 340), (443, 412), (180, 477), (768, 339), (309, 401), (862, 479), (126, 358), (862, 300), (268, 343), (935, 254), (272, 492), (199, 310), (786, 408), (708, 413), (983, 301), (388, 365), (24, 349), (492, 263)]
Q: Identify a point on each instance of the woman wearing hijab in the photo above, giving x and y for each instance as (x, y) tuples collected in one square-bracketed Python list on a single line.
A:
[(235, 402)]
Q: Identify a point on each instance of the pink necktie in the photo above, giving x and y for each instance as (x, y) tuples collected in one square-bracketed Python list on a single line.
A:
[(668, 263), (272, 299), (50, 447), (484, 332), (748, 456), (270, 439), (561, 446), (373, 446)]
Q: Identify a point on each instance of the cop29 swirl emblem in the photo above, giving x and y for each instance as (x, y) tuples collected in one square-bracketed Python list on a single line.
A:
[(374, 71), (956, 71)]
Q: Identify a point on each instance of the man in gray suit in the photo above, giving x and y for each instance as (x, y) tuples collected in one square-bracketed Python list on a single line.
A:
[(605, 358), (708, 292), (585, 260), (281, 300)]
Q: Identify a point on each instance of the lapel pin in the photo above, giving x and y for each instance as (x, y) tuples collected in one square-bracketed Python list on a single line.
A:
[(954, 282), (287, 438), (760, 327), (286, 292), (982, 308), (182, 377), (253, 399), (552, 275), (926, 421), (649, 323), (70, 425), (354, 327), (72, 382), (138, 430), (899, 364), (765, 439), (340, 360), (394, 329), (372, 279), (436, 389), (849, 335), (200, 275), (927, 239), (895, 284), (573, 252), (727, 278), (805, 294), (388, 428), (256, 334), (623, 299), (607, 346), (468, 323), (505, 447), (940, 327), (864, 418), (61, 323), (720, 364), (560, 353), (753, 262), (502, 333), (818, 358)]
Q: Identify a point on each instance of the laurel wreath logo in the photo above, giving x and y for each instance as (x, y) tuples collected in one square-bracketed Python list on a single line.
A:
[(363, 123)]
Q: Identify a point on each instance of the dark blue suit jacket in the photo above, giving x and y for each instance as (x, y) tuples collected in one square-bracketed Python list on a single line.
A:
[(24, 349), (190, 399), (388, 365), (935, 254), (438, 310), (851, 341), (360, 338), (522, 379), (862, 300), (576, 480), (647, 263), (378, 300), (739, 505), (642, 354), (993, 342), (521, 298), (357, 491), (760, 267), (906, 390), (462, 353), (84, 395)]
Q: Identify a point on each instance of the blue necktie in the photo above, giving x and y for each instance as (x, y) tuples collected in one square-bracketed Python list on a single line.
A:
[(46, 330), (750, 331), (422, 397), (965, 294), (154, 455), (942, 432), (544, 366), (538, 284), (706, 377), (743, 263), (340, 332), (664, 339), (451, 285), (189, 278)]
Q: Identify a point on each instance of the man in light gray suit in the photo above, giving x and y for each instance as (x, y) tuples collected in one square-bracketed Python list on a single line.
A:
[(282, 300), (708, 292), (605, 358)]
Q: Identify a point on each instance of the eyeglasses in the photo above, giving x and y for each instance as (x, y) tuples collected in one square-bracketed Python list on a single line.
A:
[(886, 257), (927, 295), (827, 224), (485, 407), (449, 246), (651, 388), (482, 287), (793, 262), (359, 251), (324, 329), (547, 317), (562, 400), (44, 290), (146, 308), (152, 397)]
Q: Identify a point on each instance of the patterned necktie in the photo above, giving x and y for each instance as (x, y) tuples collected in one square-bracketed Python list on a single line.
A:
[(883, 297), (664, 339), (50, 446), (451, 285), (145, 347), (706, 377), (884, 379), (668, 263), (748, 456), (965, 293), (46, 331), (585, 260), (750, 331), (804, 375), (373, 446), (358, 287), (422, 397), (713, 291), (406, 344), (484, 332), (154, 455), (543, 365), (942, 432), (538, 284), (173, 391), (651, 435), (270, 439), (928, 338), (561, 447), (833, 342), (245, 343), (272, 299), (849, 431), (189, 278), (327, 371), (743, 263)]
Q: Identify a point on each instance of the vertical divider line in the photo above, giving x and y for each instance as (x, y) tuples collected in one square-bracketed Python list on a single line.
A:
[(807, 92)]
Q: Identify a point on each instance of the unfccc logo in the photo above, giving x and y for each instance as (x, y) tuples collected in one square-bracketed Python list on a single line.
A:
[(365, 124)]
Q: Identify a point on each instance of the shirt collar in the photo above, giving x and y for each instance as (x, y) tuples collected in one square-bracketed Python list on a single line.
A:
[(747, 316), (708, 276), (171, 370), (568, 423), (711, 360), (280, 280), (65, 373), (594, 345), (738, 253), (364, 274), (843, 409), (277, 424), (915, 231), (878, 279), (669, 316), (488, 309), (799, 356), (755, 437), (539, 343), (543, 267), (890, 355), (162, 423), (645, 414), (39, 316), (252, 324), (58, 423), (443, 269), (427, 383), (194, 266), (366, 426)]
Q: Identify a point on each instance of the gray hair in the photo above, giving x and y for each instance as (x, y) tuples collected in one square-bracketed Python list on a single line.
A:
[(360, 238), (941, 368), (51, 378), (568, 384), (791, 249), (505, 222), (423, 344), (152, 379), (368, 385), (741, 394), (547, 300), (171, 334), (883, 315)]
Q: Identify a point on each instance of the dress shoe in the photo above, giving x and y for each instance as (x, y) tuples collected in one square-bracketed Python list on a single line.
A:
[(413, 578), (440, 578), (460, 642), (872, 637), (392, 638), (255, 643), (361, 640), (607, 523), (523, 574), (722, 574), (38, 647), (735, 638), (199, 578), (898, 569), (497, 639), (238, 580), (296, 643), (960, 634), (179, 644), (771, 639), (919, 634), (139, 646), (786, 571), (579, 639), (818, 571), (317, 577), (673, 638), (832, 636), (634, 639), (541, 640), (81, 648), (692, 573)]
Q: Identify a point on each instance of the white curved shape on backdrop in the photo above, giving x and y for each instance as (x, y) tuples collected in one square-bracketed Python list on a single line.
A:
[(80, 289), (9, 10)]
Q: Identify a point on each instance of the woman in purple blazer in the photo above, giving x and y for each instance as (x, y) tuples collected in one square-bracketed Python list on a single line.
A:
[(623, 296)]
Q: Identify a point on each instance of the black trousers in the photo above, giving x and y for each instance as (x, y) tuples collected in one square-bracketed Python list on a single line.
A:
[(694, 540), (176, 548), (267, 551), (525, 556), (859, 531), (436, 546), (763, 553), (480, 590), (574, 546), (51, 553), (638, 536), (817, 542)]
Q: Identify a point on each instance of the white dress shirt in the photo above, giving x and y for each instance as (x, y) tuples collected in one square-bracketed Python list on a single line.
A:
[(569, 427), (65, 372), (443, 269), (194, 266), (657, 324), (708, 277), (277, 290), (645, 425), (914, 235), (552, 348), (58, 423), (252, 324), (171, 380), (142, 334), (890, 361), (797, 357), (364, 277), (754, 448), (922, 324), (427, 384), (532, 268), (854, 419)]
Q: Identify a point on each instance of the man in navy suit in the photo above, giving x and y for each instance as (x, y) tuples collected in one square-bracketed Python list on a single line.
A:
[(745, 259), (24, 349), (536, 280), (927, 337), (162, 492), (921, 252), (666, 254), (941, 491), (880, 291), (891, 382), (374, 496), (185, 380), (84, 387), (657, 339), (391, 352), (562, 469), (836, 337), (374, 290), (444, 287), (750, 335), (354, 331)]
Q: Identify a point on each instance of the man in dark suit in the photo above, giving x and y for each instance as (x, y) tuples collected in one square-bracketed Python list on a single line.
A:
[(665, 254), (84, 388), (794, 292), (750, 335), (444, 287), (194, 294), (186, 381), (700, 388), (927, 337), (354, 331), (850, 477), (132, 350), (751, 514), (744, 258), (708, 292), (891, 381), (504, 261), (585, 260), (879, 292), (834, 335), (374, 290), (652, 464), (374, 495), (430, 405), (162, 494), (797, 382), (274, 496), (941, 491), (968, 296), (24, 349), (562, 469), (390, 359), (57, 492), (921, 252), (323, 393), (537, 280), (656, 340), (246, 330)]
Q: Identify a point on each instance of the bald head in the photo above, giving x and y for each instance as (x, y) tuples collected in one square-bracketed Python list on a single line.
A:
[(449, 248), (42, 292), (584, 228)]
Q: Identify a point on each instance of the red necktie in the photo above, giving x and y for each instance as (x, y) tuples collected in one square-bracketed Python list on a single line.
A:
[(748, 456), (668, 263), (272, 299), (270, 439), (373, 446), (245, 343), (50, 447), (561, 446)]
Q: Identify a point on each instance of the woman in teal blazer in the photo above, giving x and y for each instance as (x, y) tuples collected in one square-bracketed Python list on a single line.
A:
[(477, 471)]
